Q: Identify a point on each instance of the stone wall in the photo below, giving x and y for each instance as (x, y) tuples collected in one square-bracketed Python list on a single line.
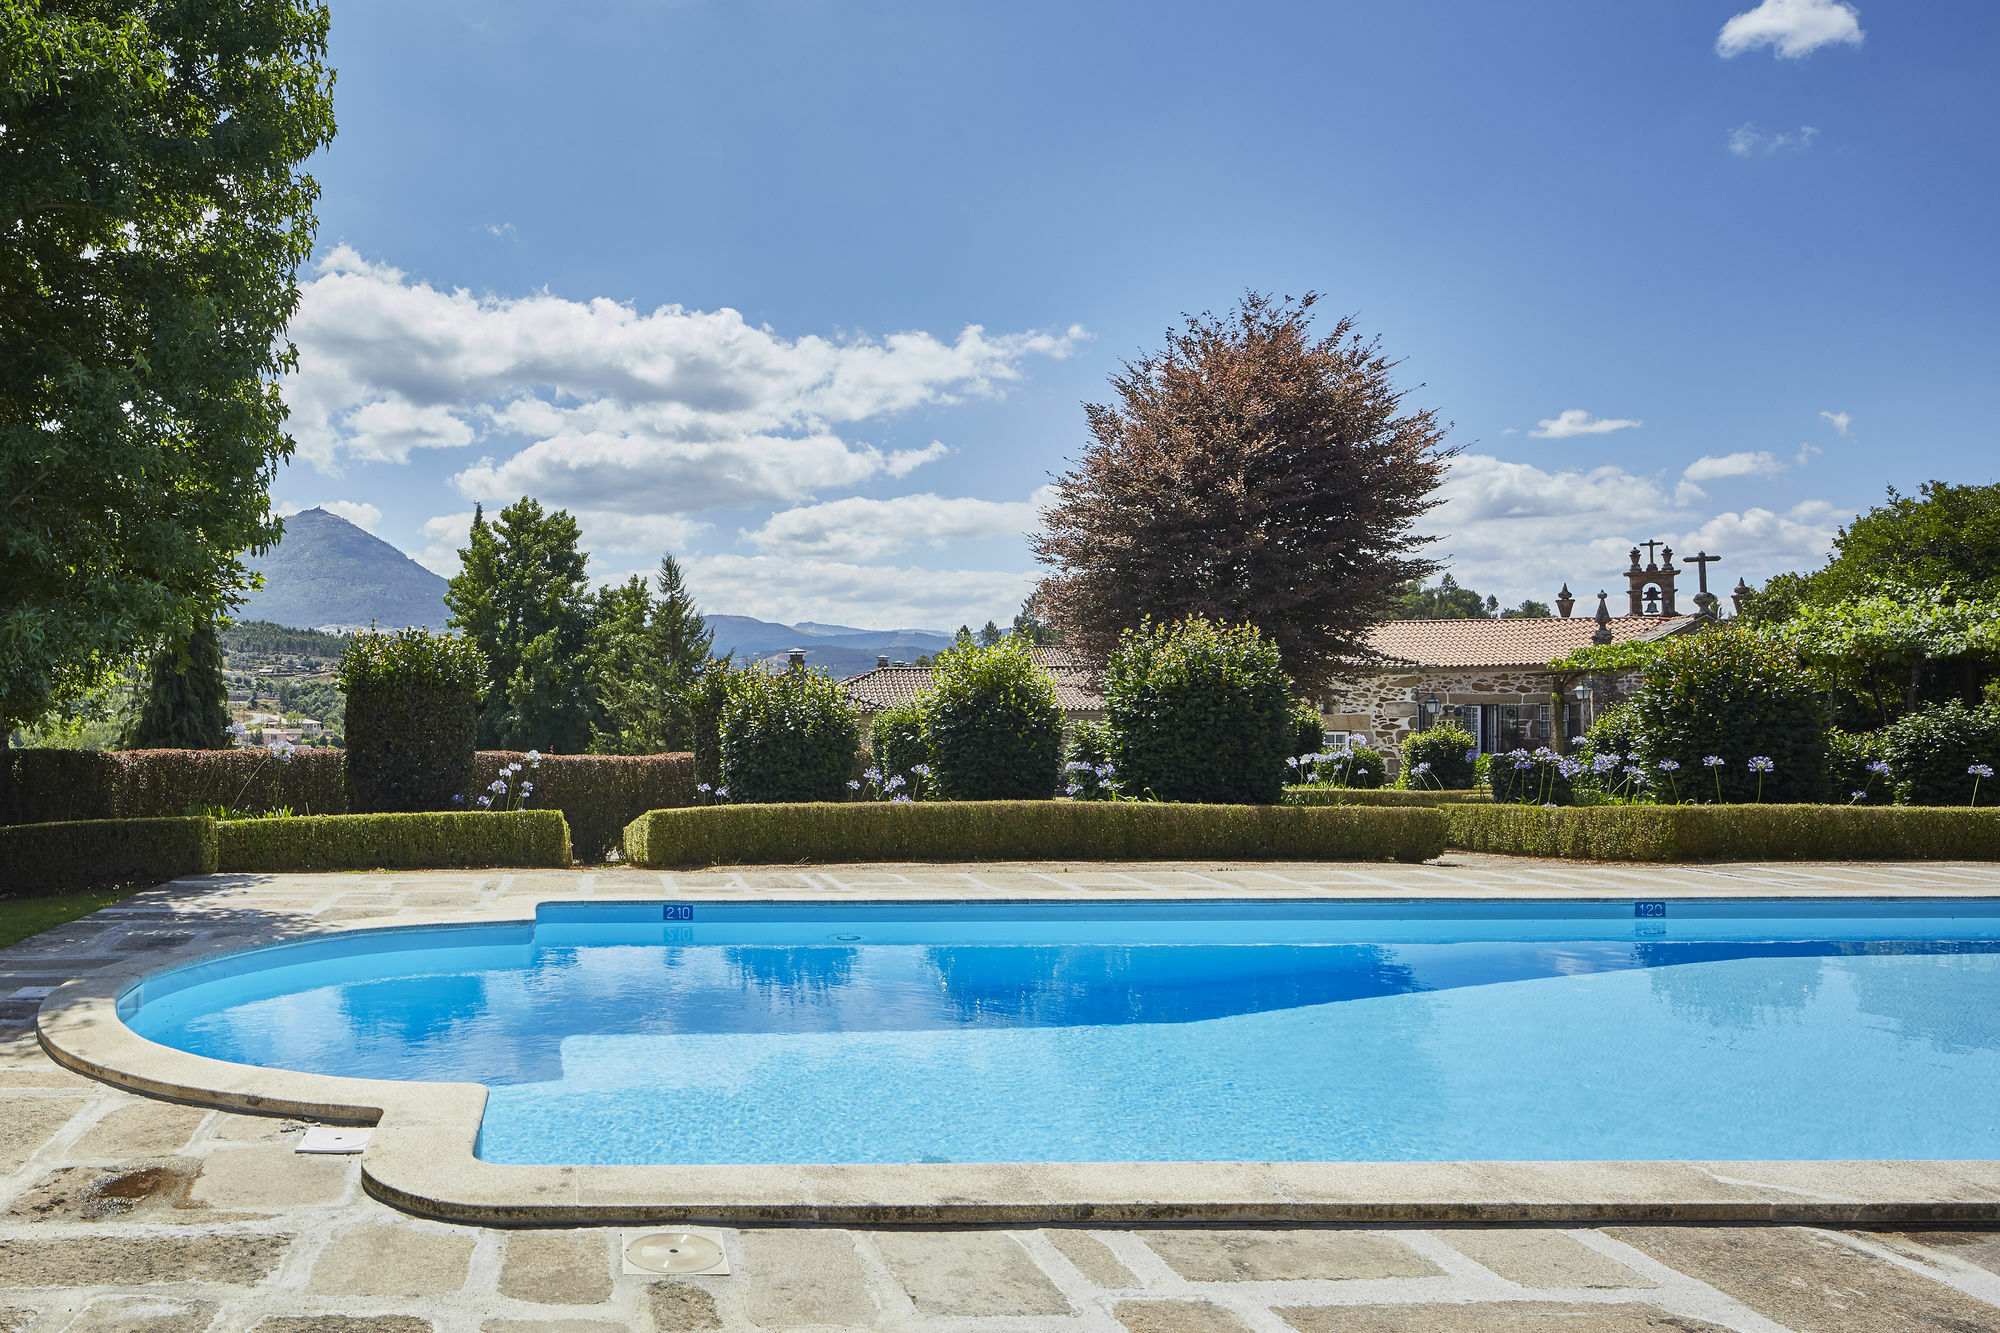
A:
[(1379, 708)]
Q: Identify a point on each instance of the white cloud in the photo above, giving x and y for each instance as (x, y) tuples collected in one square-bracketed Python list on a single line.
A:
[(361, 514), (1794, 27), (1805, 453), (1516, 530), (1747, 141), (789, 589), (1576, 421), (1840, 421), (859, 529), (1763, 463), (619, 534), (675, 411)]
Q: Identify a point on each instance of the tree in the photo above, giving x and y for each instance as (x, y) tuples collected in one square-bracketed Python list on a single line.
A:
[(649, 653), (990, 635), (1447, 601), (152, 216), (1529, 609), (1249, 474), (520, 598), (187, 705), (1944, 535), (1029, 623)]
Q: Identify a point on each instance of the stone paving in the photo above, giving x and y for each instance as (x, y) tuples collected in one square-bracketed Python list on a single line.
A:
[(120, 1213)]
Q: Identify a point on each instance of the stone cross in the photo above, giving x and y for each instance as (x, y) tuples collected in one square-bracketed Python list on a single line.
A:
[(1651, 551), (1703, 599)]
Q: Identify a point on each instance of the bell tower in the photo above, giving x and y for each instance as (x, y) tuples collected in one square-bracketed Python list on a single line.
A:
[(1650, 590)]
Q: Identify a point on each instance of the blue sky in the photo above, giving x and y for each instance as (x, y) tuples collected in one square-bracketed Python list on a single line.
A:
[(810, 293)]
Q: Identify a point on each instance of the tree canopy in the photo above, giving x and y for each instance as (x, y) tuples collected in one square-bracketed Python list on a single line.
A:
[(649, 653), (1249, 473), (152, 215)]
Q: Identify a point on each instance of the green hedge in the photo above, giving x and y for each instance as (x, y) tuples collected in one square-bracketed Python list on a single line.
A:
[(142, 784), (993, 724), (822, 833), (412, 709), (1728, 832), (76, 856), (598, 794), (411, 841), (1316, 795)]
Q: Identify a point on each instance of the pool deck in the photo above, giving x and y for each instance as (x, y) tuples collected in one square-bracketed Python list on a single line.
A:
[(126, 1212)]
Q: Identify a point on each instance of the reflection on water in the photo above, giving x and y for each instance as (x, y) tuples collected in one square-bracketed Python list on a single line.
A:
[(506, 1022)]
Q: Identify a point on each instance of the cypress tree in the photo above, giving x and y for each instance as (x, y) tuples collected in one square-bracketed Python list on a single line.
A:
[(187, 706)]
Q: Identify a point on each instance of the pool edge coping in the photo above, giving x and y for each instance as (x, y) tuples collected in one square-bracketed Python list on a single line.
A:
[(422, 1158)]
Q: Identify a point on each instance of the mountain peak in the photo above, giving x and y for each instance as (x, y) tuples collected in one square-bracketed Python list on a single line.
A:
[(326, 570)]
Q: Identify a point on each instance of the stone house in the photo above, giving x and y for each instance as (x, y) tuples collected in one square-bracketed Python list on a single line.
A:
[(1492, 677)]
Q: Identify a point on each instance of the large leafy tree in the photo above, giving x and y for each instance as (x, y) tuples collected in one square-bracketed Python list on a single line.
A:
[(520, 596), (1945, 536), (649, 653), (152, 214), (1250, 473)]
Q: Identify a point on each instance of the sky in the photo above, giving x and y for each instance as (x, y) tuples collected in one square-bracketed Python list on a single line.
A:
[(810, 294)]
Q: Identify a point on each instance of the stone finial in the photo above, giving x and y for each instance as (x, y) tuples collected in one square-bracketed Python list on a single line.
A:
[(1740, 594), (1635, 558), (1565, 602), (1603, 618)]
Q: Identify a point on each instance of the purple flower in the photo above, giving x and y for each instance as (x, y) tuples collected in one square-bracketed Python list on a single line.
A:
[(1857, 796), (1713, 761), (1669, 765), (485, 801), (1423, 768), (1761, 764), (921, 770), (704, 788), (527, 787), (497, 786), (1981, 770), (458, 799), (1472, 756), (854, 784), (1879, 767)]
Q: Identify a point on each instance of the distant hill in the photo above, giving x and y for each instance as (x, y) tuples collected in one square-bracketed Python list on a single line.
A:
[(840, 649), (326, 571)]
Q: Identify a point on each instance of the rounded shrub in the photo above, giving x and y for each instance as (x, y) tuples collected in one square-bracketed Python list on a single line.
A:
[(897, 746), (1933, 751), (1198, 711), (1730, 693), (412, 710), (1308, 730), (786, 736), (1444, 758), (1088, 773), (993, 724)]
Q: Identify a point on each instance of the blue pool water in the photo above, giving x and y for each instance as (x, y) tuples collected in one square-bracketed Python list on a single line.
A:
[(1121, 1031)]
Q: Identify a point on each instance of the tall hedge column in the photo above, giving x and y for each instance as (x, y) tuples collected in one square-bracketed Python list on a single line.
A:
[(412, 709)]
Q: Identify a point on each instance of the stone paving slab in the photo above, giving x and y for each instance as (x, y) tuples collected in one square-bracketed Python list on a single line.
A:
[(121, 1212)]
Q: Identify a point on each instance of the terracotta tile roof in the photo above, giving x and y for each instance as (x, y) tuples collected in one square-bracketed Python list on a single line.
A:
[(1530, 641), (889, 687)]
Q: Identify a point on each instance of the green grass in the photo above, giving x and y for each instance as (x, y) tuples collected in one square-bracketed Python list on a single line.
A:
[(21, 918)]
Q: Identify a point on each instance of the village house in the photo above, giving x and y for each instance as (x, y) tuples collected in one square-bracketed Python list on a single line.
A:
[(1492, 677)]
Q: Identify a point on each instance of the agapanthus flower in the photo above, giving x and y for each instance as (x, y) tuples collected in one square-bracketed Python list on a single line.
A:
[(1423, 768), (1879, 767), (1761, 764), (904, 800), (458, 799), (527, 788), (1857, 796), (1472, 756), (854, 784), (1670, 765), (1524, 763), (1981, 770), (872, 774), (722, 791), (534, 756), (496, 786), (485, 801), (1636, 773), (1713, 761), (921, 770), (704, 788)]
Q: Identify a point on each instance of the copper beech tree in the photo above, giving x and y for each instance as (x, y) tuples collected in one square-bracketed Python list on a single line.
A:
[(1249, 473)]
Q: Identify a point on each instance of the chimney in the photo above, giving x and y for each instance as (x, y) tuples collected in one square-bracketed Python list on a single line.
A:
[(1565, 602), (882, 661), (795, 658)]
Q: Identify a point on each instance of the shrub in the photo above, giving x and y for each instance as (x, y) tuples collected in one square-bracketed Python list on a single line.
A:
[(185, 782), (1198, 711), (1614, 731), (45, 786), (76, 856), (1533, 777), (786, 736), (1308, 730), (1088, 773), (1028, 831), (1356, 767), (412, 707), (1727, 832), (993, 725), (706, 698), (440, 841), (1729, 692), (1442, 758), (897, 747), (1930, 751), (1857, 768), (598, 794)]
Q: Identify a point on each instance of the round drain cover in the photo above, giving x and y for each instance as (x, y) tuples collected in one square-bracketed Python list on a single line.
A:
[(673, 1252)]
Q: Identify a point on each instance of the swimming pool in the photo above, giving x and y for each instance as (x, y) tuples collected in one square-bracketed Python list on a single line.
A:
[(1271, 1030)]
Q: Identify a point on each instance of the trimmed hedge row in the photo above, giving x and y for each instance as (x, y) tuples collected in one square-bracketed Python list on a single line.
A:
[(599, 794), (1728, 832), (1316, 795), (821, 833), (76, 856), (526, 838), (53, 785)]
